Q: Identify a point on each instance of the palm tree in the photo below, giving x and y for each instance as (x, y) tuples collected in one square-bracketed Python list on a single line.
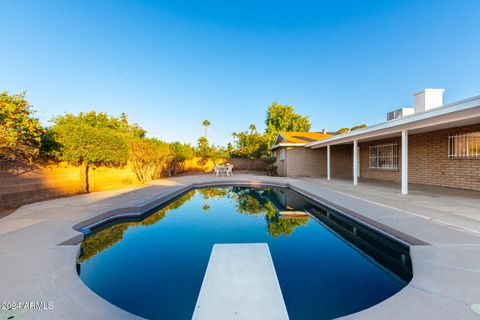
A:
[(206, 124), (252, 128), (235, 136)]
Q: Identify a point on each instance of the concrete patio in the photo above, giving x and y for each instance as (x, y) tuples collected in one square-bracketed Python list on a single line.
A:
[(38, 245)]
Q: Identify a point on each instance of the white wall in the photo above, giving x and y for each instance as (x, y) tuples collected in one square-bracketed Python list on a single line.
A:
[(428, 99)]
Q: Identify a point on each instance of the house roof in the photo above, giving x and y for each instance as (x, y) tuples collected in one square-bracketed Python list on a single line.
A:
[(285, 138), (460, 113)]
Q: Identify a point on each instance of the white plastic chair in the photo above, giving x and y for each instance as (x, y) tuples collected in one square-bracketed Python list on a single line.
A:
[(229, 170)]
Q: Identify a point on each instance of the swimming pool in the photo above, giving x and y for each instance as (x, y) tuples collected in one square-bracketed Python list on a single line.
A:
[(327, 264)]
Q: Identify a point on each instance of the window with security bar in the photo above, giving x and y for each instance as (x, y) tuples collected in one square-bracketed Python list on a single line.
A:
[(384, 156), (464, 146)]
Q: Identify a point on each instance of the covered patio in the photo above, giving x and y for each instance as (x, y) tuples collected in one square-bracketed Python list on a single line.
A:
[(446, 206), (437, 147)]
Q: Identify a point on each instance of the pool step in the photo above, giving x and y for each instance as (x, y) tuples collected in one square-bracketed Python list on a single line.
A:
[(240, 283)]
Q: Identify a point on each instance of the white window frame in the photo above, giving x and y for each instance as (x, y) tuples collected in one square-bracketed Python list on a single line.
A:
[(281, 155), (464, 145), (380, 161)]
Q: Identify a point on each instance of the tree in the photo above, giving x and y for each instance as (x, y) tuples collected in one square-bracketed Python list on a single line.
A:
[(133, 129), (360, 126), (181, 153), (20, 132), (343, 130), (149, 158), (250, 144), (283, 118), (206, 151), (229, 149), (235, 137), (206, 124), (203, 148), (217, 154), (91, 138)]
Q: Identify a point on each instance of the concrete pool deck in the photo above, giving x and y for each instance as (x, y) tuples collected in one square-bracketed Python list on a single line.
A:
[(38, 246)]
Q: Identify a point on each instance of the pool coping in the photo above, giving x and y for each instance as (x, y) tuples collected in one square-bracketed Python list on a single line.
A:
[(135, 212), (424, 297)]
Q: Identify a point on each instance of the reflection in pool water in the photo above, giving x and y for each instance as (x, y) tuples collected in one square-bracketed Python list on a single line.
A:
[(154, 267)]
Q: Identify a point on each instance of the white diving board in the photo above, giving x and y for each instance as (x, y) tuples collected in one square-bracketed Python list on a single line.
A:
[(240, 283)]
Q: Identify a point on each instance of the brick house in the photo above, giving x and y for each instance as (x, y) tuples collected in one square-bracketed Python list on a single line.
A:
[(293, 159), (430, 144)]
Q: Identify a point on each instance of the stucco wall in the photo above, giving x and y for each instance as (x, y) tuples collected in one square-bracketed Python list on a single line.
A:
[(52, 181), (248, 164)]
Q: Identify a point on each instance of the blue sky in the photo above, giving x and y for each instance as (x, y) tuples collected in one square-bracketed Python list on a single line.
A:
[(171, 64)]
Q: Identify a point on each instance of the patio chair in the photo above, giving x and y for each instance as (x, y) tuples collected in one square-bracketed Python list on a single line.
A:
[(229, 170), (217, 170)]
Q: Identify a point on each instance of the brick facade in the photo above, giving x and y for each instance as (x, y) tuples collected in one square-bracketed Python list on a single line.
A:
[(302, 162), (341, 161), (428, 161), (379, 174)]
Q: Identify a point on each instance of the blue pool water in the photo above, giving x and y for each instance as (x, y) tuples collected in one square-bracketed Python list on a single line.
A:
[(327, 265)]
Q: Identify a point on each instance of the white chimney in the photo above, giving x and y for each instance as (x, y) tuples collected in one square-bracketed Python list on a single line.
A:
[(400, 113), (427, 99)]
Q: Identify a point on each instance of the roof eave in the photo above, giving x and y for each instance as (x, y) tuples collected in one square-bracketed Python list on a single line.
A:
[(279, 145), (446, 110)]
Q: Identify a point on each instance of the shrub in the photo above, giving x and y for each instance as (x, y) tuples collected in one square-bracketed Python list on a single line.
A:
[(181, 153), (148, 158), (271, 167), (20, 132)]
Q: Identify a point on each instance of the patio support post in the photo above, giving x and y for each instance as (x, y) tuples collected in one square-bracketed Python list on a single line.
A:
[(404, 162), (355, 162), (328, 162)]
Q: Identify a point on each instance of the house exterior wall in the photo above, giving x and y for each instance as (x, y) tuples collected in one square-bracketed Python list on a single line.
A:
[(428, 163), (302, 162), (380, 174), (280, 163), (341, 161)]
